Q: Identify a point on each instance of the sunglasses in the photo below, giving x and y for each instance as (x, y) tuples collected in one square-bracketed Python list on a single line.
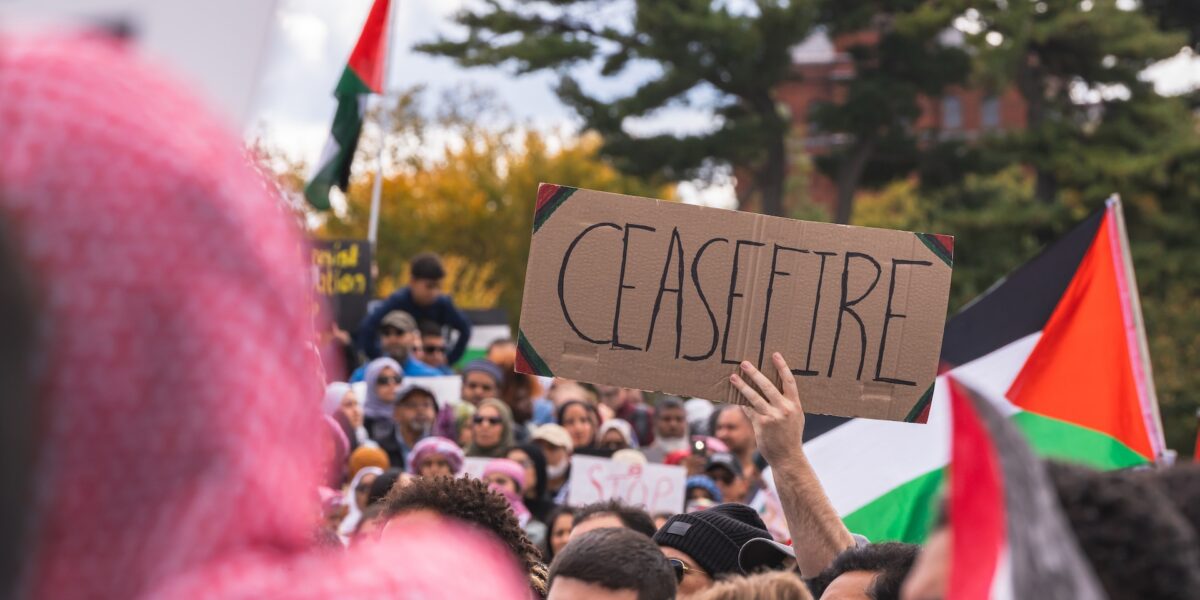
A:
[(390, 331), (488, 420), (723, 477), (433, 349), (681, 569), (386, 379)]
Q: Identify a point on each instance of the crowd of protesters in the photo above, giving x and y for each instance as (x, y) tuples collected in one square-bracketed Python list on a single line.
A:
[(161, 437)]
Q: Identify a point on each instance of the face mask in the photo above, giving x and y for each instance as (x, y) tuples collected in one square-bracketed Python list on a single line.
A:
[(556, 471)]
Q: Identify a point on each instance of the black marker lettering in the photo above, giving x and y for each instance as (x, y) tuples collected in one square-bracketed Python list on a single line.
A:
[(674, 243), (562, 276), (812, 330), (621, 287), (844, 308), (762, 336), (711, 317), (888, 315), (737, 250)]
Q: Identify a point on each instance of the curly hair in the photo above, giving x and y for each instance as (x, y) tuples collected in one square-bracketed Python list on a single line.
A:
[(469, 500), (890, 561)]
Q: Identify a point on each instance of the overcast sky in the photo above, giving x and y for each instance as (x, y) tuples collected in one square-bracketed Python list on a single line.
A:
[(311, 40)]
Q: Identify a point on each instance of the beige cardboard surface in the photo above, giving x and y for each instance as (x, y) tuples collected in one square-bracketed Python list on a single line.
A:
[(669, 297)]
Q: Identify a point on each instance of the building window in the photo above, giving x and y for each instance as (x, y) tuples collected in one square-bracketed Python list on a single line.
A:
[(951, 112), (990, 117)]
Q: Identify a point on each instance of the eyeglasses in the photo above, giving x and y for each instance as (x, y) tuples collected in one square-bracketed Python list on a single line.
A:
[(434, 349), (386, 379), (682, 569), (489, 420), (390, 331), (721, 476)]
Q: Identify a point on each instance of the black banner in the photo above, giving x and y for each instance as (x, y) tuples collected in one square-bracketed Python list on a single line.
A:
[(342, 276)]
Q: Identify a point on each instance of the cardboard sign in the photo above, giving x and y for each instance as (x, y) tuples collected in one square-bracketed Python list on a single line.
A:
[(342, 275), (657, 488), (669, 297)]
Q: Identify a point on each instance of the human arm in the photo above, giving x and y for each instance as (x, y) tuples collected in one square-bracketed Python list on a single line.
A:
[(458, 322), (778, 419)]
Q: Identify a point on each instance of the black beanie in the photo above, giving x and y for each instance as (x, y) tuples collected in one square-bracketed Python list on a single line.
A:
[(713, 537)]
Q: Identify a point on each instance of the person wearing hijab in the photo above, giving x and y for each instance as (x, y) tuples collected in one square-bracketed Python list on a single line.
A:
[(356, 497), (367, 456), (616, 434), (337, 453), (507, 477), (491, 430), (533, 460), (161, 259), (435, 457), (383, 378), (342, 404)]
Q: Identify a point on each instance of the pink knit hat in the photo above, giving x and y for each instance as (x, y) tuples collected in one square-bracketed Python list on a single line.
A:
[(507, 467)]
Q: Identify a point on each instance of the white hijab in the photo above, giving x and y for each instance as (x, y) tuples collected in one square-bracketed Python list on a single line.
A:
[(350, 522)]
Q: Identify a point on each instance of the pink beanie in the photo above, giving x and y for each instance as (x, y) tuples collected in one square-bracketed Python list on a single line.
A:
[(507, 467), (435, 445)]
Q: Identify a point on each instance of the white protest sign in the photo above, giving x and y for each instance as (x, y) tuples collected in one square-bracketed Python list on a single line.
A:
[(657, 488), (473, 466), (446, 388)]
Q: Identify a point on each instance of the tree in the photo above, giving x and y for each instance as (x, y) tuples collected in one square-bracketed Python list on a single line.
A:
[(700, 48), (1077, 65), (472, 201), (898, 57)]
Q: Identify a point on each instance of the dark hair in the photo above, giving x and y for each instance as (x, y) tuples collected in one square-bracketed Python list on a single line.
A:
[(548, 551), (617, 559), (591, 410), (668, 403), (538, 492), (1181, 484), (1139, 546), (382, 485), (631, 517), (716, 414), (428, 328), (426, 265), (889, 561), (470, 500)]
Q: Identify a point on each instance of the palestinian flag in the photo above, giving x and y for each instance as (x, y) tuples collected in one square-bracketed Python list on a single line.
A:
[(1010, 539), (363, 75), (1058, 344)]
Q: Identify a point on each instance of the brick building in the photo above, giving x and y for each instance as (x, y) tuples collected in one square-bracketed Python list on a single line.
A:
[(826, 67)]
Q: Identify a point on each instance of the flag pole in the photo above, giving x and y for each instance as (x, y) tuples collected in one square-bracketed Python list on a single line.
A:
[(385, 123)]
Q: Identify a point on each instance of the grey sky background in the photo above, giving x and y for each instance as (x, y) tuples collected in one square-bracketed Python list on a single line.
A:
[(310, 41)]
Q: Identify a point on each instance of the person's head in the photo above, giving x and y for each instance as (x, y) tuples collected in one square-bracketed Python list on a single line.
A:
[(432, 344), (705, 545), (425, 278), (612, 513), (491, 427), (340, 398), (480, 379), (556, 444), (731, 426), (505, 474), (434, 457), (670, 419), (581, 421), (870, 572), (610, 395), (469, 499), (702, 486), (383, 484), (361, 485), (367, 456), (397, 334), (616, 434), (416, 409), (611, 564), (383, 377), (559, 524), (1137, 543), (518, 391), (726, 472), (776, 585), (531, 458), (566, 390)]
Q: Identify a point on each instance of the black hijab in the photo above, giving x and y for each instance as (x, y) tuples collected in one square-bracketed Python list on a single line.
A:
[(540, 504)]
